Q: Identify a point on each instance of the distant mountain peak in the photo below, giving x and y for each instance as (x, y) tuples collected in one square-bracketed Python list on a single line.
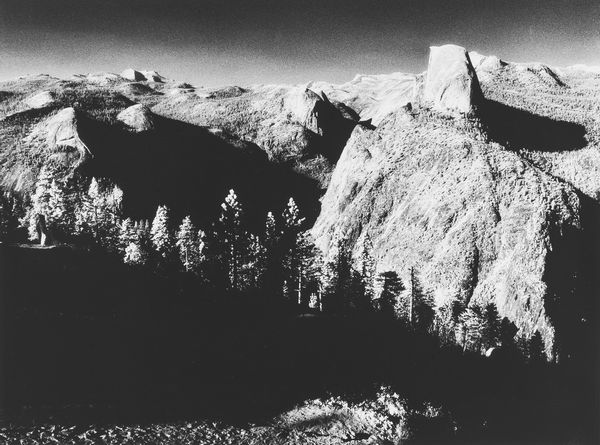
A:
[(451, 84), (138, 76)]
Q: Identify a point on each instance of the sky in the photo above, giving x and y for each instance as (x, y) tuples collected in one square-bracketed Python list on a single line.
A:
[(226, 42)]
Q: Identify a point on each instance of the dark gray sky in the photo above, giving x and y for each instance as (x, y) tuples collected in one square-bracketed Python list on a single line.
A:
[(218, 42)]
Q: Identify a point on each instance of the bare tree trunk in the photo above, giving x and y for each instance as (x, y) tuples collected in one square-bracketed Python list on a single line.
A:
[(42, 230), (412, 288), (299, 284)]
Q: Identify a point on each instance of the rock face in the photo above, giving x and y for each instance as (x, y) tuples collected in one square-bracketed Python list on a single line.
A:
[(137, 118), (477, 222), (61, 130), (451, 84)]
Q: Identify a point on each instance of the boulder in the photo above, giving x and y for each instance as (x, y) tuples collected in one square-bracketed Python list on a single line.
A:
[(137, 118)]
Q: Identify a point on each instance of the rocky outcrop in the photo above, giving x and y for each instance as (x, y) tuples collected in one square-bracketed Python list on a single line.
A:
[(61, 130), (40, 100), (485, 63), (137, 118), (153, 76), (137, 76), (451, 84), (373, 97), (133, 75)]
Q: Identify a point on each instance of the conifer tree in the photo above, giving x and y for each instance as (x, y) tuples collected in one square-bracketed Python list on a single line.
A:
[(4, 219), (359, 299), (187, 244), (490, 335), (231, 236), (445, 322), (255, 268), (98, 214), (135, 254), (201, 237), (271, 233), (391, 286), (273, 274), (291, 217), (421, 313), (307, 266), (337, 277), (160, 235), (291, 239), (537, 353), (367, 268), (472, 321), (507, 334), (47, 205), (127, 234)]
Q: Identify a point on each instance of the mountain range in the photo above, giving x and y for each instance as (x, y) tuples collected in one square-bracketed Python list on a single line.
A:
[(481, 175)]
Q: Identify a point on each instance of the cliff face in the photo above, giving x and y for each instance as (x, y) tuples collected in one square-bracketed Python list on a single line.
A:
[(484, 209)]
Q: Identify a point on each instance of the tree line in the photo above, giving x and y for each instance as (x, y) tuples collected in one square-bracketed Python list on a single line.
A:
[(280, 262)]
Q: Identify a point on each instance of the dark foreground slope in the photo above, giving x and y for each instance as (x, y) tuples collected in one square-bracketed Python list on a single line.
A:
[(139, 349)]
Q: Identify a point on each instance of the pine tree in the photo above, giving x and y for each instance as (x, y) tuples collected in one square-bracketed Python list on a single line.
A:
[(362, 282), (360, 301), (472, 322), (135, 254), (445, 322), (273, 274), (308, 266), (391, 286), (537, 353), (491, 326), (291, 217), (47, 207), (4, 219), (231, 236), (98, 214), (337, 277), (9, 209), (271, 233), (421, 313), (255, 268), (188, 245), (292, 261), (201, 238), (507, 334), (127, 234), (162, 241)]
